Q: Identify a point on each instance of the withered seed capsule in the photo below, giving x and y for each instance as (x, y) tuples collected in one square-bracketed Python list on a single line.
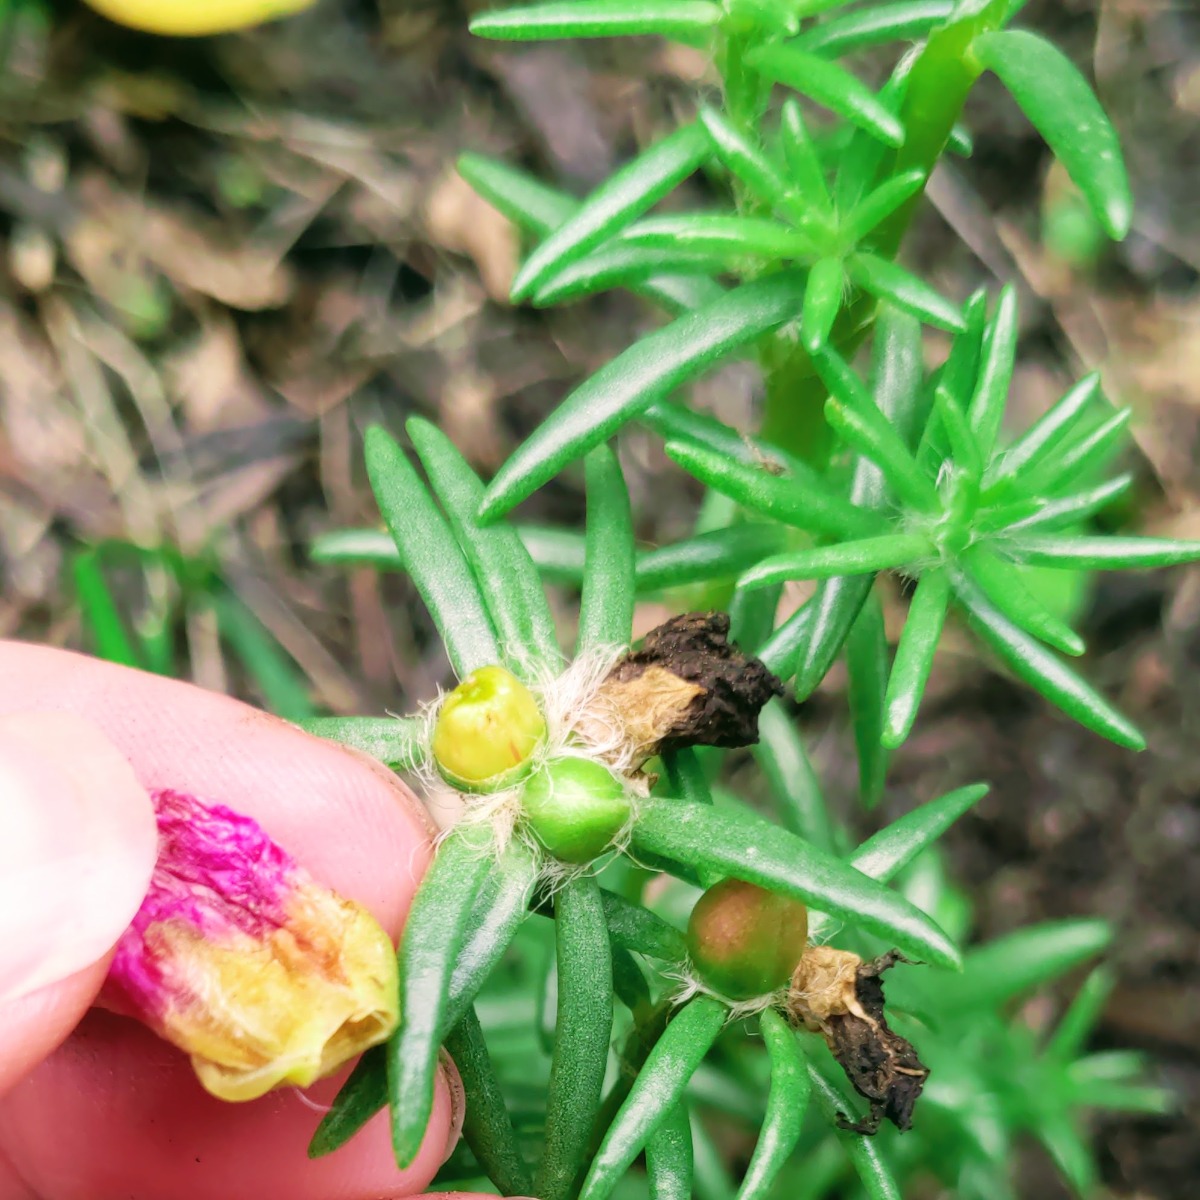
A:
[(745, 941), (576, 807), (486, 731)]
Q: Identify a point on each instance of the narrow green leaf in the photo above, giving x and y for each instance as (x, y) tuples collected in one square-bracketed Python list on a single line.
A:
[(598, 18), (1018, 963), (1058, 101), (986, 409), (730, 236), (521, 197), (897, 376), (504, 572), (582, 1034), (831, 86), (1107, 553), (669, 1157), (909, 293), (835, 607), (398, 742), (633, 927), (867, 667), (752, 614), (1081, 1018), (1072, 508), (649, 370), (869, 432), (370, 547), (501, 905), (914, 656), (876, 207), (743, 158), (675, 422), (487, 1127), (780, 650), (362, 1095), (1042, 437), (781, 755), (606, 606), (1089, 453), (1071, 1154), (656, 1092), (614, 204), (867, 555), (101, 614), (1042, 671), (956, 378), (558, 554), (964, 448), (960, 141), (712, 1178), (742, 845), (616, 264), (799, 499), (718, 554), (822, 299), (435, 931), (1005, 589), (629, 984), (803, 161), (533, 206), (787, 1101), (907, 21), (431, 555), (863, 1152)]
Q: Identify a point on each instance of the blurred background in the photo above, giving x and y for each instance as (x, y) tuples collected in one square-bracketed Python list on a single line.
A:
[(223, 258)]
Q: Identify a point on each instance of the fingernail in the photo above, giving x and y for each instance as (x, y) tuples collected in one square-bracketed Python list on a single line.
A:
[(77, 847)]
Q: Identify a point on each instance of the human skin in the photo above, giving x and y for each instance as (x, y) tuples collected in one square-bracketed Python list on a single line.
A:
[(92, 1105)]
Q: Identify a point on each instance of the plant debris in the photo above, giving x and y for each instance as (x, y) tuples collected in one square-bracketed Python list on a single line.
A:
[(837, 994), (688, 685)]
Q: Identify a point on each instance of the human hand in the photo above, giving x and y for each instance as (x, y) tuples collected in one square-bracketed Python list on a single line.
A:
[(93, 1106)]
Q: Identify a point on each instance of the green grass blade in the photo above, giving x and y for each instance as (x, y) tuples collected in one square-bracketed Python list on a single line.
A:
[(582, 1034), (101, 614), (431, 555), (606, 606), (398, 742), (740, 844), (649, 370), (505, 574)]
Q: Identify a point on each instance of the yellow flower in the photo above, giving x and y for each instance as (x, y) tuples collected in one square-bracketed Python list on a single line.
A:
[(240, 958), (191, 18)]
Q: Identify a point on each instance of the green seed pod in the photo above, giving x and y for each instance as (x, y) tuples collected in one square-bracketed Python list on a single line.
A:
[(486, 731), (576, 807), (745, 941)]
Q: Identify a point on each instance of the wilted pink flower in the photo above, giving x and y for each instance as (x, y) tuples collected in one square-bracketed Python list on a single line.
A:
[(239, 957)]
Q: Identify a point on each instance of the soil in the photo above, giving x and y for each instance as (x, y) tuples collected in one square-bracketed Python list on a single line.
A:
[(225, 257)]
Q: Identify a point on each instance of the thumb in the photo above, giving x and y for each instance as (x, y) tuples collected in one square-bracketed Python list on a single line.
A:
[(77, 846)]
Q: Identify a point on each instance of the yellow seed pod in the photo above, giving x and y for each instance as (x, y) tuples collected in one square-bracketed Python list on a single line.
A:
[(486, 731), (195, 18)]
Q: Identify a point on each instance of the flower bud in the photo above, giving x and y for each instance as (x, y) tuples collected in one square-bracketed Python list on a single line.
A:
[(576, 807), (486, 731), (239, 957), (745, 941)]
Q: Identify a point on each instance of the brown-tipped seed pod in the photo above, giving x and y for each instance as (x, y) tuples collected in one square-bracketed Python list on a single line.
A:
[(745, 941), (576, 807), (486, 731)]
